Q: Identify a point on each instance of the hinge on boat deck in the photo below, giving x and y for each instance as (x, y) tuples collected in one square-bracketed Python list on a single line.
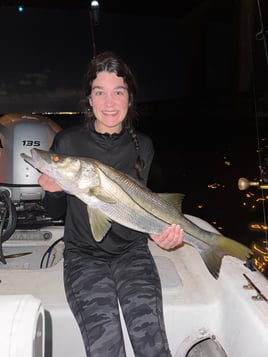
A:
[(251, 286)]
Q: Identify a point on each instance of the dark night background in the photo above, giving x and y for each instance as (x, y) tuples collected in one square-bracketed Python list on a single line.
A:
[(201, 68)]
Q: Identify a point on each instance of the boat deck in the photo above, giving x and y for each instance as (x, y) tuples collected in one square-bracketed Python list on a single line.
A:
[(197, 307)]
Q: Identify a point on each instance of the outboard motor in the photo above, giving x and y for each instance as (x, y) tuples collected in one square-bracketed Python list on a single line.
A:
[(19, 189), (19, 134)]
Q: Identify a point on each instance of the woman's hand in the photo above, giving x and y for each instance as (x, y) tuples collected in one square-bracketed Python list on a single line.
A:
[(170, 238), (48, 184)]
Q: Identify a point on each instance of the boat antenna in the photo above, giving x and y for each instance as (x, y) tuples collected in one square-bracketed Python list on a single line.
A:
[(94, 21)]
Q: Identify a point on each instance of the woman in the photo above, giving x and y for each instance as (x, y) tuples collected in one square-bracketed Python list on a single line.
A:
[(120, 267)]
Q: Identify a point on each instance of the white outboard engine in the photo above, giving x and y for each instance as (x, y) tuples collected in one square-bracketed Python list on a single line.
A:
[(20, 193), (18, 134)]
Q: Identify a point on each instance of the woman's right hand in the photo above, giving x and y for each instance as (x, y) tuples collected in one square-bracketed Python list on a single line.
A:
[(48, 184)]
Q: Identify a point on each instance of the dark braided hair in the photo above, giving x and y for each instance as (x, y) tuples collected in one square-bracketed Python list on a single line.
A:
[(110, 62)]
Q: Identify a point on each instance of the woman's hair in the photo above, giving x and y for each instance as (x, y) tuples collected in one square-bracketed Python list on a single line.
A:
[(112, 63)]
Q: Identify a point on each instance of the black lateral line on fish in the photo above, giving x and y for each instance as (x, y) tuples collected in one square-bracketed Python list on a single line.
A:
[(123, 181), (132, 197), (124, 176)]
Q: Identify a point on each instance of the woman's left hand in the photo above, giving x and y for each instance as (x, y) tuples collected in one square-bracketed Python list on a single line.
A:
[(170, 238)]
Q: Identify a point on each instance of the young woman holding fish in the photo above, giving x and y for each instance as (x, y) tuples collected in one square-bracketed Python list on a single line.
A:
[(120, 267)]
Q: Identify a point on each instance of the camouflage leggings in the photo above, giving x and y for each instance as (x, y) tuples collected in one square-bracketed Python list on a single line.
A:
[(93, 287)]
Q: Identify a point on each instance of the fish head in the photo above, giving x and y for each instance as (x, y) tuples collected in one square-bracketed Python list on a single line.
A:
[(71, 173)]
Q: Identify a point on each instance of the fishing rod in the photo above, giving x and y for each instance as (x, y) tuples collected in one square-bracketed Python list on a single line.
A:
[(262, 183), (263, 164), (262, 34)]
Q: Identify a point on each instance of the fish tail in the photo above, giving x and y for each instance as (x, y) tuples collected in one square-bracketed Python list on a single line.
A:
[(234, 248), (224, 246)]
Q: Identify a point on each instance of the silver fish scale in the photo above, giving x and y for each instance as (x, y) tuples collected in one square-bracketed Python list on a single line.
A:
[(145, 210), (123, 209), (142, 195)]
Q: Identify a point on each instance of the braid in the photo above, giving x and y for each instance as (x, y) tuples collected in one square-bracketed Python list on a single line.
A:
[(139, 166)]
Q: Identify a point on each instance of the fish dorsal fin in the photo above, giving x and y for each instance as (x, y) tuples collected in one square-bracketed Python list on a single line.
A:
[(174, 198), (99, 224)]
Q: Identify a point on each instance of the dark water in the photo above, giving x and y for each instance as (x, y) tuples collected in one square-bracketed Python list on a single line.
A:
[(204, 160), (202, 152)]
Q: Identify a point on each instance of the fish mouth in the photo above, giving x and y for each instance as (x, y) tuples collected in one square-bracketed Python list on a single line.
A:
[(27, 158), (35, 160)]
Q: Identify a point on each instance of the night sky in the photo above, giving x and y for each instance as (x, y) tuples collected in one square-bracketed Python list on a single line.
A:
[(45, 51), (44, 55)]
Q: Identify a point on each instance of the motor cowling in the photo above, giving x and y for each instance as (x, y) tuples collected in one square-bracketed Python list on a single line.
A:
[(19, 133)]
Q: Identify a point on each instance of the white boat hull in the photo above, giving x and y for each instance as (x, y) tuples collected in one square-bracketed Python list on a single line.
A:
[(230, 319)]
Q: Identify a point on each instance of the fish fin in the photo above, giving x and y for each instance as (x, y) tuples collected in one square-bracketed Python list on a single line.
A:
[(234, 248), (173, 198), (102, 195), (213, 258), (224, 246), (99, 224)]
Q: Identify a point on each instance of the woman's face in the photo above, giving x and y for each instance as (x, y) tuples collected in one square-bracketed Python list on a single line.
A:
[(109, 100)]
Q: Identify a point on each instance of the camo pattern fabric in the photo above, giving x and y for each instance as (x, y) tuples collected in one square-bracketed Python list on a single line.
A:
[(93, 287)]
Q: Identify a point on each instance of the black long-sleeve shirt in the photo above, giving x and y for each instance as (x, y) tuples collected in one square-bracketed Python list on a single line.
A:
[(116, 150)]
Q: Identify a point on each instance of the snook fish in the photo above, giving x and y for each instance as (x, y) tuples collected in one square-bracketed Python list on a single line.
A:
[(111, 195)]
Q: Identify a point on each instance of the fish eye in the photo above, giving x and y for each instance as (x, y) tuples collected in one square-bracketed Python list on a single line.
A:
[(56, 158)]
